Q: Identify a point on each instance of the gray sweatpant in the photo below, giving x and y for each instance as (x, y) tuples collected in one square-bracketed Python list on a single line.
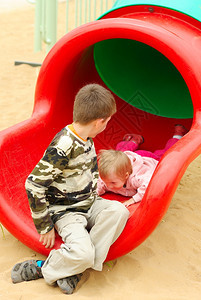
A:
[(87, 238)]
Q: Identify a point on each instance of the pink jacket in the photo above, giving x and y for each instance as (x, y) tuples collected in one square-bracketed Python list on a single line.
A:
[(136, 185)]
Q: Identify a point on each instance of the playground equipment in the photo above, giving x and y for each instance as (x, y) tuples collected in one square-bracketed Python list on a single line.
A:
[(45, 23), (46, 15), (158, 52)]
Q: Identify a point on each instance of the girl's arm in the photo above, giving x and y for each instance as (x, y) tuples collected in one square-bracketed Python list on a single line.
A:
[(141, 187)]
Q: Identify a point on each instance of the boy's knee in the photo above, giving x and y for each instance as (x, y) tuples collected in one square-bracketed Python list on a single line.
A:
[(86, 256), (120, 210)]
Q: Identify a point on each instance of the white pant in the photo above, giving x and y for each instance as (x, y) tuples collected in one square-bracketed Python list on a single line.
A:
[(87, 238)]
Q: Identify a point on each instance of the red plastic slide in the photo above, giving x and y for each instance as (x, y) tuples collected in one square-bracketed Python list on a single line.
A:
[(69, 66)]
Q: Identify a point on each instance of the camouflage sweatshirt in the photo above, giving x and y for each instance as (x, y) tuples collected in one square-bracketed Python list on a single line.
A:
[(65, 179)]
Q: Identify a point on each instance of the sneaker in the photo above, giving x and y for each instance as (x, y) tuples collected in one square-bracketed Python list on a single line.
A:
[(68, 284), (180, 130), (25, 271), (136, 138)]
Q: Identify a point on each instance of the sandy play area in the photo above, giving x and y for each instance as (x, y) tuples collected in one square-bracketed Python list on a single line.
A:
[(167, 266)]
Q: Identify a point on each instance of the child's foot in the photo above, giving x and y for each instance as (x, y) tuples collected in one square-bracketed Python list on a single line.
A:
[(136, 138), (180, 130), (68, 284), (25, 271)]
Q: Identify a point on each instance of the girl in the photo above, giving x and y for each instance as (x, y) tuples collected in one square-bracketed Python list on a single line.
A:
[(128, 173)]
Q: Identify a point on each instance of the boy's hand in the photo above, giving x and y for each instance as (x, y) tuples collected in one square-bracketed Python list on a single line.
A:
[(48, 239), (129, 202)]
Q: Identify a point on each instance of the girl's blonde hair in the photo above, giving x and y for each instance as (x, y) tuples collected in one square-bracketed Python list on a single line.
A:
[(93, 102), (113, 161)]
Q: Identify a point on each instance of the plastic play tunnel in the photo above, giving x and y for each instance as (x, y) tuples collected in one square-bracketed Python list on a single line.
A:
[(148, 54)]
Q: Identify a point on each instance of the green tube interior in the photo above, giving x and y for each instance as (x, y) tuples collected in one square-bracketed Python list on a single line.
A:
[(143, 77)]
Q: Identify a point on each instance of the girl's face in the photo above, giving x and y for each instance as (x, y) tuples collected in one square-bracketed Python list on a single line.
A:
[(113, 182)]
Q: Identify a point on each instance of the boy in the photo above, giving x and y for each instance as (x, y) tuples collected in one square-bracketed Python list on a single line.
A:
[(62, 194)]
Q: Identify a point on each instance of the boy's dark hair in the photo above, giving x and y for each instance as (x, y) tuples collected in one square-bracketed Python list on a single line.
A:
[(93, 102)]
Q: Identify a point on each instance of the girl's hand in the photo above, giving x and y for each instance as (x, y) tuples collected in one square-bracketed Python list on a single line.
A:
[(129, 202), (48, 239)]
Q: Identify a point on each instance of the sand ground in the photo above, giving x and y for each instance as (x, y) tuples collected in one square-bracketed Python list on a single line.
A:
[(167, 266)]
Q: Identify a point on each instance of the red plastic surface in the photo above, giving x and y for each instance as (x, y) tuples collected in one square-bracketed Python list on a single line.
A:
[(68, 67)]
